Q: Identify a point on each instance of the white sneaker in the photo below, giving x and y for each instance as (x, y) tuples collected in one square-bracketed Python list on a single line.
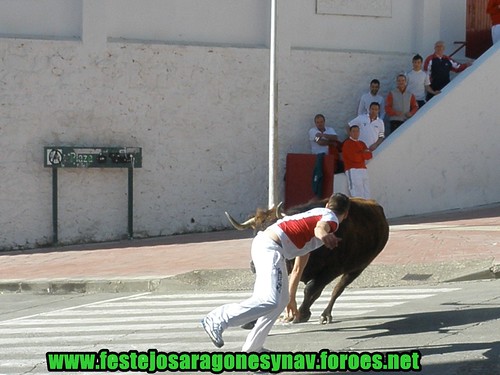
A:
[(213, 330)]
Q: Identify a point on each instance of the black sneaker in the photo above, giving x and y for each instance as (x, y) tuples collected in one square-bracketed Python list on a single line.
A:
[(213, 330)]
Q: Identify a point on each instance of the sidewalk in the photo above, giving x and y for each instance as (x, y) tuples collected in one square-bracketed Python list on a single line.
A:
[(456, 244)]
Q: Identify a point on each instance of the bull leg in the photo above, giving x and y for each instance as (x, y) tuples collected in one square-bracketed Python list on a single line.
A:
[(312, 291), (345, 280)]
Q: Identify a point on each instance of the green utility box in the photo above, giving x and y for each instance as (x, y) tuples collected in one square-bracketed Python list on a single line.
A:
[(92, 157)]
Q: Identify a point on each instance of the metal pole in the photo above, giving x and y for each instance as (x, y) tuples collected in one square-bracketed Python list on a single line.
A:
[(54, 206), (131, 202), (273, 111)]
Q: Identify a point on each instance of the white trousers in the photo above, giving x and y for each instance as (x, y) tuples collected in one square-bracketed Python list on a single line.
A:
[(495, 33), (270, 295), (357, 180)]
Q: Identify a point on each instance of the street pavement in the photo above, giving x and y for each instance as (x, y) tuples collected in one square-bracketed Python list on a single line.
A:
[(452, 326), (454, 245), (416, 294)]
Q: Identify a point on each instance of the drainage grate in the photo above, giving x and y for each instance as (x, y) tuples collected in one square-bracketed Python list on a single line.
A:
[(416, 276)]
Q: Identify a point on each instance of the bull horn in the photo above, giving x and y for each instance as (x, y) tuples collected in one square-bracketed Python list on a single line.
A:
[(279, 211), (246, 225)]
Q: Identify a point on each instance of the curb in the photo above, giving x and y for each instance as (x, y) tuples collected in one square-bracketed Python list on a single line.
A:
[(237, 279), (68, 286)]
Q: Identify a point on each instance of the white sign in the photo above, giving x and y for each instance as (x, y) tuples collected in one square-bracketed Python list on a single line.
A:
[(54, 156)]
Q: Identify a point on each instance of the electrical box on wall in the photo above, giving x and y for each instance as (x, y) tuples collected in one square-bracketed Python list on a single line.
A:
[(92, 157)]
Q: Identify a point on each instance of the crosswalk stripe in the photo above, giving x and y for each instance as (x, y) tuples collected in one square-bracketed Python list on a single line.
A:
[(187, 314), (405, 291), (111, 318), (209, 304), (242, 295)]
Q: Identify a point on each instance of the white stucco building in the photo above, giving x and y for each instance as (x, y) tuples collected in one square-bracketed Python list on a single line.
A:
[(188, 81)]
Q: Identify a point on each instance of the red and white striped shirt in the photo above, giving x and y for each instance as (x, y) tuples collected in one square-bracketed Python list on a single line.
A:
[(296, 232)]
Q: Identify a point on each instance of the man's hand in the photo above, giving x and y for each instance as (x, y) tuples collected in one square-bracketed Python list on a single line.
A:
[(331, 241), (291, 311), (323, 232)]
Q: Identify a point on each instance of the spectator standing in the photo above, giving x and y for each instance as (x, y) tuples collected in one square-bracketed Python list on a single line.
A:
[(372, 129), (439, 66), (418, 80), (355, 154), (321, 136), (370, 97), (401, 104), (493, 9)]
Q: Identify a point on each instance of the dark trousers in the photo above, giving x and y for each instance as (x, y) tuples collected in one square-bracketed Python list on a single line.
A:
[(395, 124), (420, 103)]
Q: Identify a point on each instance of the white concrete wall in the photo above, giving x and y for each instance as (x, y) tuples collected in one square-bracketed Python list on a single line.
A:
[(408, 26), (447, 155), (168, 77), (203, 139), (46, 19)]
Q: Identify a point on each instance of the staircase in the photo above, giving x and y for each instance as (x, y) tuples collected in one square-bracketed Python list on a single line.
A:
[(448, 155)]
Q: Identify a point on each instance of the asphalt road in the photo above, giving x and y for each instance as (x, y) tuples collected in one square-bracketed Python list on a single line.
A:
[(453, 326)]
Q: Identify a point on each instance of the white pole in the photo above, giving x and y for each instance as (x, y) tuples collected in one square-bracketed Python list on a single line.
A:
[(273, 111)]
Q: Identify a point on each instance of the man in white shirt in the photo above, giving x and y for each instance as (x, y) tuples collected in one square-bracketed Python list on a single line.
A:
[(372, 130), (370, 97), (320, 136), (418, 82)]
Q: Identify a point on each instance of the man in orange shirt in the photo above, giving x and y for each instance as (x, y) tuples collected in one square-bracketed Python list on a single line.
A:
[(493, 9), (355, 154)]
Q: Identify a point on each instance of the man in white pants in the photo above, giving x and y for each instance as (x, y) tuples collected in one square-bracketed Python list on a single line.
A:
[(288, 238), (355, 155)]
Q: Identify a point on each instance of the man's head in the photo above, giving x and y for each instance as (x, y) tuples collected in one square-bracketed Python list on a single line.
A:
[(401, 82), (339, 204), (439, 48), (374, 110), (374, 86), (354, 132), (417, 63), (319, 120)]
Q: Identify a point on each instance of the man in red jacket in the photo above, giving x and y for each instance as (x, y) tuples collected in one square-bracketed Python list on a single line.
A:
[(493, 9), (355, 154)]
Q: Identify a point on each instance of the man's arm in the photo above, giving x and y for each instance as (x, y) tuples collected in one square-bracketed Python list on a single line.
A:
[(326, 139), (388, 106), (374, 146), (428, 63), (429, 89), (457, 67), (365, 152), (413, 107), (323, 231), (329, 137), (295, 275)]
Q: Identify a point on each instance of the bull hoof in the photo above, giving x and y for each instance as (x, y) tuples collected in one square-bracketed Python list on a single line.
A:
[(323, 319), (302, 318)]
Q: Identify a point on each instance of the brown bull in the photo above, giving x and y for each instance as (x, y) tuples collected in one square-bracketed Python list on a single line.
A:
[(364, 234)]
